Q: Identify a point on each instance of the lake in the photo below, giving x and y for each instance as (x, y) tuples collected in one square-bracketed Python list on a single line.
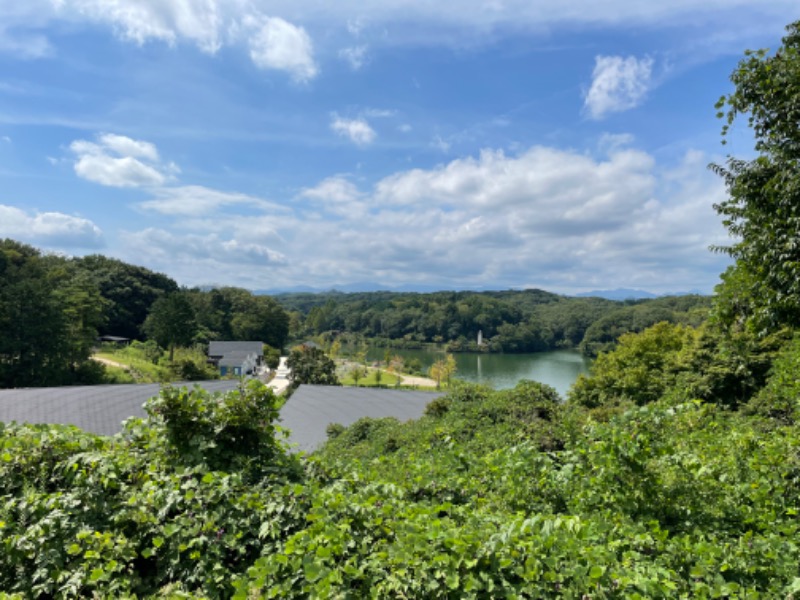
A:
[(559, 368)]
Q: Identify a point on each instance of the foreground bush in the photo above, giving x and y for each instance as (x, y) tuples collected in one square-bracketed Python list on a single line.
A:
[(187, 498), (507, 494)]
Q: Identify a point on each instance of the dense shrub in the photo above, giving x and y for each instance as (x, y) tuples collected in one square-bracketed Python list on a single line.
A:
[(505, 494)]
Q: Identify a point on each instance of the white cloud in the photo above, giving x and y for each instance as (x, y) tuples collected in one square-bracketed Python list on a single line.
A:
[(195, 200), (49, 228), (333, 189), (6, 139), (550, 218), (277, 44), (200, 252), (125, 146), (355, 56), (337, 196), (618, 84), (140, 21), (114, 161), (404, 128), (357, 131)]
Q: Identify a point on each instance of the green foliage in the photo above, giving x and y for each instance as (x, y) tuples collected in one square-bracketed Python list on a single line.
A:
[(779, 399), (233, 433), (511, 321), (640, 370), (761, 210), (311, 365), (171, 322), (602, 334), (272, 356), (191, 364), (49, 314), (128, 290), (504, 494), (86, 516)]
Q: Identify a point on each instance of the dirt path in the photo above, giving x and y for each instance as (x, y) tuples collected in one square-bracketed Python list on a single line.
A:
[(110, 363), (413, 380)]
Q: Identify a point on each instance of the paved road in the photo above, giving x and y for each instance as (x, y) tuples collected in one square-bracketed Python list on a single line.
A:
[(280, 382)]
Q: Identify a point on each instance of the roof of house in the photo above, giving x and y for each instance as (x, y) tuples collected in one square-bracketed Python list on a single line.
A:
[(102, 408), (311, 408), (96, 408), (223, 348), (113, 338), (236, 359)]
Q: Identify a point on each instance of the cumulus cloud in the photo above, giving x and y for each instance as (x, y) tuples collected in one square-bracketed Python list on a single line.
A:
[(355, 56), (337, 195), (618, 84), (140, 21), (357, 130), (195, 200), (277, 44), (333, 189), (49, 229), (166, 247), (114, 160), (545, 217), (272, 41)]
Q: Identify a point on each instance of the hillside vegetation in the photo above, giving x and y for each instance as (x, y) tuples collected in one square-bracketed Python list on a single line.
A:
[(510, 321)]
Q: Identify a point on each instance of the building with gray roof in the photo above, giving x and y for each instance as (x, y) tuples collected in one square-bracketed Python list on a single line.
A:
[(309, 411), (95, 408), (236, 358), (101, 409)]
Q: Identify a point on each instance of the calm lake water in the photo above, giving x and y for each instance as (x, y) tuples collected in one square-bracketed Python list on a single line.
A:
[(559, 368)]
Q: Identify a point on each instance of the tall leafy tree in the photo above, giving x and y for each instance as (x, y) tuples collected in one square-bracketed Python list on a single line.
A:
[(257, 318), (311, 365), (171, 322), (49, 314), (762, 211)]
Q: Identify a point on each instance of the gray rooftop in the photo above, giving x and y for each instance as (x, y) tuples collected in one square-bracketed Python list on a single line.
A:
[(313, 407), (95, 408), (223, 348), (102, 408)]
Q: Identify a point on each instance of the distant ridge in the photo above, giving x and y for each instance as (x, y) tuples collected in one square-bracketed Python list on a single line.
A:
[(350, 288), (618, 294)]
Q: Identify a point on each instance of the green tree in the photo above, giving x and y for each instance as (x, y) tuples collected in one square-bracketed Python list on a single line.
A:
[(357, 373), (312, 366), (450, 368), (641, 368), (49, 315), (130, 291), (32, 328), (257, 318), (762, 211), (171, 322)]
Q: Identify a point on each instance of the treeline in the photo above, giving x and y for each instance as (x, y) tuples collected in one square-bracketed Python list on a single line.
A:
[(54, 308), (510, 321)]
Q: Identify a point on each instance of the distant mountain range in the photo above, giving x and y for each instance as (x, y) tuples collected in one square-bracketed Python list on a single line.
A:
[(350, 288), (629, 294), (616, 294)]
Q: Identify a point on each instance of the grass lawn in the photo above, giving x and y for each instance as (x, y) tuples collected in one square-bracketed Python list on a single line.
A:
[(140, 369), (387, 379)]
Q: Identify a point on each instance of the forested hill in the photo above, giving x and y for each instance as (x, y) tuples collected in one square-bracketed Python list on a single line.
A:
[(511, 321)]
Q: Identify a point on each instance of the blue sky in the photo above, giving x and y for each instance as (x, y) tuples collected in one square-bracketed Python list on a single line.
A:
[(503, 144)]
